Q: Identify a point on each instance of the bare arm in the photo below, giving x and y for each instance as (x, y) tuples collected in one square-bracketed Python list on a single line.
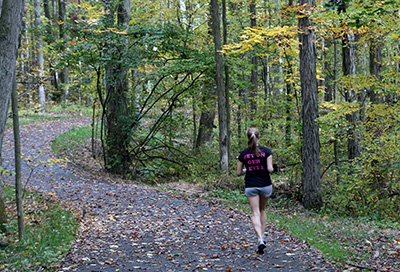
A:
[(269, 164), (240, 171)]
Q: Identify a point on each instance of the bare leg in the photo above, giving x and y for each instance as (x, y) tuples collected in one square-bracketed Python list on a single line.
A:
[(254, 202), (263, 215)]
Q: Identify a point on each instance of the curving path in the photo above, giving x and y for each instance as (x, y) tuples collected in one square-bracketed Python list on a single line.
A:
[(127, 227)]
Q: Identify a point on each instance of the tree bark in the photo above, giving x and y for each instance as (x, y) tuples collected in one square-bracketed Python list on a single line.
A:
[(17, 149), (208, 112), (375, 67), (226, 70), (63, 74), (254, 64), (349, 69), (40, 58), (223, 126), (116, 108), (10, 29), (311, 147)]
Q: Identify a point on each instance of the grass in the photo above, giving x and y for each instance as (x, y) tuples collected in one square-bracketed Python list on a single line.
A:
[(71, 140), (50, 231), (53, 112)]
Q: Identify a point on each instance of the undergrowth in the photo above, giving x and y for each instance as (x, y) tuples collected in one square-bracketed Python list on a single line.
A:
[(50, 231)]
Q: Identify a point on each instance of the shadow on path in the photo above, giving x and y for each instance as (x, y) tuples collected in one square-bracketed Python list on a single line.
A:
[(127, 227)]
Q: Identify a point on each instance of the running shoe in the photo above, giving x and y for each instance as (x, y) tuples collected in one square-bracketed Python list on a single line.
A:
[(260, 248)]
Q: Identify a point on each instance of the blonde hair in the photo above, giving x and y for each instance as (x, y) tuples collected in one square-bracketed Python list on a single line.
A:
[(253, 135)]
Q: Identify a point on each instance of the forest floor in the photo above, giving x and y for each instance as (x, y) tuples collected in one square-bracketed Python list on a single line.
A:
[(129, 227)]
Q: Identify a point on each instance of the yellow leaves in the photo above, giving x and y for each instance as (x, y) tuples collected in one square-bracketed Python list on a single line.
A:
[(329, 105), (341, 109), (279, 37), (114, 30), (87, 6), (110, 29), (395, 36)]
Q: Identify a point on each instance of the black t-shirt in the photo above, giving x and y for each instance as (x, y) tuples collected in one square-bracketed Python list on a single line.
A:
[(257, 174)]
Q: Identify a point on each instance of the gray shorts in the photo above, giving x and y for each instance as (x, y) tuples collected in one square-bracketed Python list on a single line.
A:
[(254, 191)]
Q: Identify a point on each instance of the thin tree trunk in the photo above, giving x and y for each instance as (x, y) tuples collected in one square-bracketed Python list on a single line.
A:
[(10, 24), (63, 74), (349, 69), (311, 150), (51, 37), (223, 126), (226, 70), (40, 59), (17, 150), (254, 64), (335, 72)]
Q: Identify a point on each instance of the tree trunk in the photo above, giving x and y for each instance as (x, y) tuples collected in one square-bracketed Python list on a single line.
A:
[(116, 109), (254, 64), (226, 86), (51, 37), (63, 74), (40, 59), (311, 146), (335, 72), (223, 126), (375, 67), (17, 149), (10, 29), (349, 69), (208, 112)]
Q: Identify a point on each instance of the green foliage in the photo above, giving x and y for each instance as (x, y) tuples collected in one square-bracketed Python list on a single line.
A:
[(50, 231), (369, 185)]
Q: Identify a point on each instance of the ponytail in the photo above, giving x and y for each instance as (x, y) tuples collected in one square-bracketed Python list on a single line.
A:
[(253, 135)]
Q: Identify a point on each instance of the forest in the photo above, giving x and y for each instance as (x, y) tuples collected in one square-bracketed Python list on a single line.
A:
[(171, 86)]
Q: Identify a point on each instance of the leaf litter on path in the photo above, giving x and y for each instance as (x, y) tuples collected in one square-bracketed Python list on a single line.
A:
[(127, 227)]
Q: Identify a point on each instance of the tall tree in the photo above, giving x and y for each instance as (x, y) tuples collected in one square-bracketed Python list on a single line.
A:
[(10, 28), (115, 106), (349, 70), (375, 67), (254, 65), (207, 116), (312, 196), (226, 70), (51, 38), (17, 149), (64, 73), (40, 58), (223, 126)]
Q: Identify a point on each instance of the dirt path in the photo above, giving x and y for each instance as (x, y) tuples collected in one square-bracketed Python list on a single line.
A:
[(126, 227)]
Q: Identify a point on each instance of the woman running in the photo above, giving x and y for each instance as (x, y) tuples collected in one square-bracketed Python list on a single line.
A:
[(255, 162)]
